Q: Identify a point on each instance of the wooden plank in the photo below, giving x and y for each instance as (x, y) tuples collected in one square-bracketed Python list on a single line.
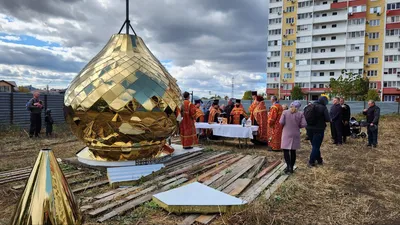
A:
[(121, 201), (18, 173), (84, 180), (226, 182), (74, 174), (97, 184), (189, 219), (13, 179), (253, 172), (132, 204), (218, 169), (174, 162), (259, 187), (203, 162), (213, 165), (3, 173), (205, 219), (189, 162), (268, 169), (275, 186), (114, 196), (238, 186)]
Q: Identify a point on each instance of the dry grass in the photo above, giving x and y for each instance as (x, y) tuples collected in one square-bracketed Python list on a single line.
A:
[(357, 185)]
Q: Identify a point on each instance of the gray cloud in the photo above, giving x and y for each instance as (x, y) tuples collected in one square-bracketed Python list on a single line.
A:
[(230, 34)]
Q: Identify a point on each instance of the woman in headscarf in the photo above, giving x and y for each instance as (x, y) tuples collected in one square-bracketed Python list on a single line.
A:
[(292, 120), (261, 120)]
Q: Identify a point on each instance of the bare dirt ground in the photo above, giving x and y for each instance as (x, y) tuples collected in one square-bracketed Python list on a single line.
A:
[(356, 185)]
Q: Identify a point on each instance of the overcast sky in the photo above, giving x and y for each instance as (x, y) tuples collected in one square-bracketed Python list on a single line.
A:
[(203, 43)]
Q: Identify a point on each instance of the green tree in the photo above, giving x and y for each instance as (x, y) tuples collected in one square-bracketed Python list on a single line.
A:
[(247, 95), (226, 97), (352, 86), (372, 95), (297, 93), (23, 89)]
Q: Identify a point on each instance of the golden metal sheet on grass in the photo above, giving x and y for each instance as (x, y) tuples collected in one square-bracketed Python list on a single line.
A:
[(124, 78)]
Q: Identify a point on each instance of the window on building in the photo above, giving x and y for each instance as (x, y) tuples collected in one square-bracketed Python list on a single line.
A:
[(355, 47), (302, 16), (289, 42), (305, 4), (333, 50), (287, 75), (373, 60), (357, 9), (354, 59), (323, 27), (274, 43), (275, 10), (288, 54), (391, 71), (320, 85), (372, 73), (290, 9), (393, 19), (289, 31), (304, 27), (321, 74), (274, 53), (272, 75), (275, 21), (333, 38), (392, 45), (288, 65), (290, 20), (332, 62), (273, 1), (394, 32), (314, 85), (355, 34), (392, 6), (375, 10), (359, 21), (372, 85), (321, 62), (324, 15), (374, 23), (392, 58), (273, 64), (334, 13), (322, 50), (331, 74), (303, 62), (334, 25), (303, 50), (274, 32), (373, 48), (323, 38), (373, 35)]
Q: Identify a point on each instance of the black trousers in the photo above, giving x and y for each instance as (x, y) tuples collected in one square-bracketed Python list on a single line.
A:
[(372, 136), (36, 124), (290, 157), (49, 128), (337, 131)]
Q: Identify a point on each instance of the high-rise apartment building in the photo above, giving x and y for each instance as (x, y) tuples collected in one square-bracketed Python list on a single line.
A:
[(310, 42)]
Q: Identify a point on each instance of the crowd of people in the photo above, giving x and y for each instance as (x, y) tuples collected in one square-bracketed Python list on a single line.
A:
[(279, 127)]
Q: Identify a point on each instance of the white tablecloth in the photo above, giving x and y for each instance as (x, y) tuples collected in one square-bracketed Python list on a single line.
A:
[(229, 130)]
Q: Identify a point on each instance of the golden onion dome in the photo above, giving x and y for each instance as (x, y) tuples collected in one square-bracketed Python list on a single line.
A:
[(123, 101)]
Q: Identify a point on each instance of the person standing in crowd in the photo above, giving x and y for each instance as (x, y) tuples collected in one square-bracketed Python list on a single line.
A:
[(261, 120), (237, 113), (346, 119), (253, 105), (373, 114), (308, 104), (35, 106), (316, 116), (214, 112), (229, 107), (199, 115), (187, 128), (285, 107), (274, 127), (292, 120), (48, 119), (336, 115)]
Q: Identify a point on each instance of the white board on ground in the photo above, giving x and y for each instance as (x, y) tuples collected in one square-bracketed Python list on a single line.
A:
[(197, 194), (131, 173)]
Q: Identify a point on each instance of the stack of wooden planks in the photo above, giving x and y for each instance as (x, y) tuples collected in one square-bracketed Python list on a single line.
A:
[(244, 176)]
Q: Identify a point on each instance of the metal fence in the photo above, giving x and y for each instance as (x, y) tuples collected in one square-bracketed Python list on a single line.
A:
[(355, 106), (13, 108)]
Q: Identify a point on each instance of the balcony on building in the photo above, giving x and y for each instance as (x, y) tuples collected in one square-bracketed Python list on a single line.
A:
[(303, 56), (356, 15), (324, 79), (273, 69), (324, 67), (274, 26), (392, 51), (302, 79), (360, 27), (304, 21), (394, 12), (274, 48), (339, 5), (357, 2), (301, 33), (326, 31), (393, 64), (355, 65), (274, 37), (305, 9), (394, 38), (360, 52), (391, 77), (275, 4), (341, 16), (336, 42), (303, 67), (391, 26), (273, 58), (328, 55), (319, 6), (360, 40)]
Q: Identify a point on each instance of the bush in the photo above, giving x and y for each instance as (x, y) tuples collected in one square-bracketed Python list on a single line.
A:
[(373, 95)]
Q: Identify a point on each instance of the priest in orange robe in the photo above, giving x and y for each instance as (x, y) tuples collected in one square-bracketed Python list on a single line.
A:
[(215, 112), (274, 127), (199, 115), (187, 128), (237, 113), (261, 120), (253, 105)]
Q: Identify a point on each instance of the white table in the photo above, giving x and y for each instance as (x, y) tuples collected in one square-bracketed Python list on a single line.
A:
[(229, 130)]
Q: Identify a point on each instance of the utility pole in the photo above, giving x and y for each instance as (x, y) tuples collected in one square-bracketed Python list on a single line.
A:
[(233, 86)]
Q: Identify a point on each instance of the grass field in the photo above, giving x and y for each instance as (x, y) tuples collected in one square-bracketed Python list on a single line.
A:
[(356, 185)]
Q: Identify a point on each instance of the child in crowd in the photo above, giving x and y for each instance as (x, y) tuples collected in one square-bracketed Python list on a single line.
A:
[(49, 123)]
